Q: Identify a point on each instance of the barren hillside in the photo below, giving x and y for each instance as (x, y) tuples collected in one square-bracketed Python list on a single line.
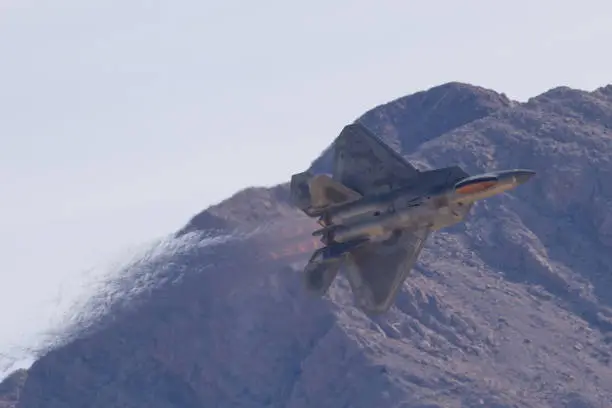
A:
[(512, 308)]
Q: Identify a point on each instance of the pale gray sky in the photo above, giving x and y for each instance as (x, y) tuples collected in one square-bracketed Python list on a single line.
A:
[(120, 119)]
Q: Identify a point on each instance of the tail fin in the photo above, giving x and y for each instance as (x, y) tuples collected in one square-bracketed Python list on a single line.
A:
[(320, 273), (315, 194), (325, 263)]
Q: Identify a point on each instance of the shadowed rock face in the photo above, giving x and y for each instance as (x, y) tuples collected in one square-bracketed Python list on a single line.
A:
[(11, 387), (512, 308)]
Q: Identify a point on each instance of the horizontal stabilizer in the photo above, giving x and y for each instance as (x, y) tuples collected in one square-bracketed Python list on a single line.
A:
[(326, 192), (314, 194)]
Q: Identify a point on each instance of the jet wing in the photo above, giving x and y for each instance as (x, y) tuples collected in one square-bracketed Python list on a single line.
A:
[(377, 270), (366, 164)]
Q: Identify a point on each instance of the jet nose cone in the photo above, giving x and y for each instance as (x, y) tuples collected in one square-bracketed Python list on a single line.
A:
[(522, 176)]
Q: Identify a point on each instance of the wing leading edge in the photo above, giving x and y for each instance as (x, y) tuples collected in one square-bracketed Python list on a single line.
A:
[(366, 164), (377, 270)]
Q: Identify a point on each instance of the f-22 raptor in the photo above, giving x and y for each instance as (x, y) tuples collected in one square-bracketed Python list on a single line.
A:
[(377, 210)]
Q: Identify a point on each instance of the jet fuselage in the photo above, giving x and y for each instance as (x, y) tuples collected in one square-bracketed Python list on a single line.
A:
[(374, 218), (377, 210)]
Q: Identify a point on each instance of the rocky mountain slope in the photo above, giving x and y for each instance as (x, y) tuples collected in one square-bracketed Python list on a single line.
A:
[(10, 388), (512, 308)]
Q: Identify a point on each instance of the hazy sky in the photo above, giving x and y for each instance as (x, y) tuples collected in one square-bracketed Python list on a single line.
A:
[(120, 119)]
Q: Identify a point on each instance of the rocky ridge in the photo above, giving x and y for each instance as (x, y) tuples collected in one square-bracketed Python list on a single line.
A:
[(510, 309)]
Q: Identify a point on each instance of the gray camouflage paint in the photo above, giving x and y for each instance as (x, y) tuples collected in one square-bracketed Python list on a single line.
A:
[(377, 211)]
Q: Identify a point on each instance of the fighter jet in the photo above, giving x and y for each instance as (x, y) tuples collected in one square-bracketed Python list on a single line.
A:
[(376, 211)]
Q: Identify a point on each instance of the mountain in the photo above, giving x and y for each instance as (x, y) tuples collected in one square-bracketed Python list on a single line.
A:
[(10, 388), (512, 308)]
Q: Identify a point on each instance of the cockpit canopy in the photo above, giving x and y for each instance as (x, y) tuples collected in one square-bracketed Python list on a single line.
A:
[(476, 183)]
